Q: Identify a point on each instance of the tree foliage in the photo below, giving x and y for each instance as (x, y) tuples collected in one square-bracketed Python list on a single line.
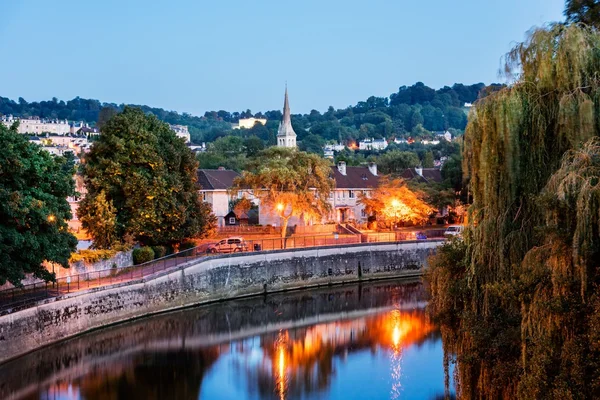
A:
[(289, 183), (583, 11), (526, 319), (142, 170), (392, 202), (34, 187)]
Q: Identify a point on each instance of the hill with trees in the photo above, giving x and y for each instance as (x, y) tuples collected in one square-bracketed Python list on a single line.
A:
[(411, 111)]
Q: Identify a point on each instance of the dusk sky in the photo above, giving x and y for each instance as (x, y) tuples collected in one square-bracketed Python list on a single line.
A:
[(193, 56)]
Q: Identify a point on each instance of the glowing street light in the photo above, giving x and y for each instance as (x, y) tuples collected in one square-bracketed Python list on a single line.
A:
[(279, 207), (51, 218)]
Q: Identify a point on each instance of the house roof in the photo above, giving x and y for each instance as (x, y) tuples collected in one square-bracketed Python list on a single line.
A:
[(355, 178), (216, 179), (429, 175)]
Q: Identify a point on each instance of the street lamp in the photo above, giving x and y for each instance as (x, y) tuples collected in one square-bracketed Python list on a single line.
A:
[(51, 218)]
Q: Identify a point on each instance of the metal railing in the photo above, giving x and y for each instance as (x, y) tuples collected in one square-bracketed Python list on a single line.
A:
[(18, 298)]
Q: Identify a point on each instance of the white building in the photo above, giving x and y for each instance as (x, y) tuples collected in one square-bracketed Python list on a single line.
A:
[(38, 126), (248, 123), (181, 131), (286, 137), (372, 144)]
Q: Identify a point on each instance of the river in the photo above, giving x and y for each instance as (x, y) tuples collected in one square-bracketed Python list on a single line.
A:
[(369, 341)]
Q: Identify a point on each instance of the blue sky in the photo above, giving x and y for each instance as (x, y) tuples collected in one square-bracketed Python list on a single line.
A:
[(198, 55)]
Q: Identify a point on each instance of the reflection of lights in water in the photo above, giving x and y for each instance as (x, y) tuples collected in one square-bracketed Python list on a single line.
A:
[(399, 331), (281, 380)]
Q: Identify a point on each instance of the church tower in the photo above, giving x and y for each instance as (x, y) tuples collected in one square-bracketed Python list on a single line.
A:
[(286, 137)]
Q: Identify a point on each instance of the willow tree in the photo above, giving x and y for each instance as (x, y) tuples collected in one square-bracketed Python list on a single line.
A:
[(524, 302), (288, 183)]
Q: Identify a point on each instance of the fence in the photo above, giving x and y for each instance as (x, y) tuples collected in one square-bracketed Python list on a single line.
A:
[(18, 298)]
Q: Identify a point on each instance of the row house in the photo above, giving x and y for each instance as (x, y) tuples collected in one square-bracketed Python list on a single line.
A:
[(349, 184)]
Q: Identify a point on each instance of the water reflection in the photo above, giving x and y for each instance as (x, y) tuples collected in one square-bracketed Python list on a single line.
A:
[(371, 341)]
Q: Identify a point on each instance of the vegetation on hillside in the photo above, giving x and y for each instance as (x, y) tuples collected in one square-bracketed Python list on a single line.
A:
[(34, 187), (411, 111), (518, 300)]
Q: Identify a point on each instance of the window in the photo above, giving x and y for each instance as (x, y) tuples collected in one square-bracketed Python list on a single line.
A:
[(363, 213), (232, 220), (203, 196), (351, 194), (234, 241)]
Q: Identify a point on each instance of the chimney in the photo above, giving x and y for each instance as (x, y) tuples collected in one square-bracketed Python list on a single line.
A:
[(373, 168), (342, 167), (419, 171)]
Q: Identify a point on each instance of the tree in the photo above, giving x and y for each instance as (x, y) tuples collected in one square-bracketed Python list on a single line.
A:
[(149, 176), (393, 202), (428, 160), (289, 183), (253, 145), (312, 144), (519, 301), (34, 187), (583, 11), (396, 161), (106, 113), (99, 218)]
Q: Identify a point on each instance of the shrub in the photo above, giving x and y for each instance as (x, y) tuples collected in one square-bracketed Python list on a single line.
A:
[(92, 256), (142, 255), (186, 246), (159, 251)]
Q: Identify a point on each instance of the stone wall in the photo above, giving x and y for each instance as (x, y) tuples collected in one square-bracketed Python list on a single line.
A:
[(206, 280)]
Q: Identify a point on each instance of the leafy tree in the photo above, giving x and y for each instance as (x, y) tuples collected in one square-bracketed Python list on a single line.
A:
[(524, 319), (393, 202), (583, 11), (253, 145), (428, 160), (99, 218), (395, 161), (312, 144), (149, 176), (105, 114), (34, 187), (289, 183)]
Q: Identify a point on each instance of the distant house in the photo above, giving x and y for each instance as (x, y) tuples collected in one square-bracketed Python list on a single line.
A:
[(181, 131), (248, 123), (372, 144), (37, 125), (215, 185), (424, 175)]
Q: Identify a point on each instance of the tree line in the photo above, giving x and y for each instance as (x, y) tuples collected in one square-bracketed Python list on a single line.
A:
[(411, 111)]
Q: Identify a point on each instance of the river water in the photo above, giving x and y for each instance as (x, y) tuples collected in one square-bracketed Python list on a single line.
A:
[(370, 341)]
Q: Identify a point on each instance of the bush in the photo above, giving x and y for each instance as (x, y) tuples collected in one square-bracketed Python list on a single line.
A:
[(92, 256), (159, 251), (142, 255), (186, 246)]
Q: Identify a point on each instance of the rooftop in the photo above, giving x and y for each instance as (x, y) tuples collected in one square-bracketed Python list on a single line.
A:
[(216, 179)]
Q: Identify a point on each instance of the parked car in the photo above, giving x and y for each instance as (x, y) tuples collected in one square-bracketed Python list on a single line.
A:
[(454, 230), (229, 245), (421, 236)]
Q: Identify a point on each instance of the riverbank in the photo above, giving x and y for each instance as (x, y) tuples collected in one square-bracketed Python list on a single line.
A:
[(203, 281)]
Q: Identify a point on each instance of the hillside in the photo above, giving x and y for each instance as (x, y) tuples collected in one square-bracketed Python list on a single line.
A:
[(411, 111)]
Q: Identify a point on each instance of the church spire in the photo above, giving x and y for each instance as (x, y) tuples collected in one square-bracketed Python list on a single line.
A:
[(286, 109), (286, 137)]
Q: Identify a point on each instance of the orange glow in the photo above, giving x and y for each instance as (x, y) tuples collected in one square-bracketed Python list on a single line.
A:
[(293, 359), (279, 207), (51, 218)]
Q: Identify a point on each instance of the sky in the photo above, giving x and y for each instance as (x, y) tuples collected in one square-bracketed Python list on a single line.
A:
[(198, 55)]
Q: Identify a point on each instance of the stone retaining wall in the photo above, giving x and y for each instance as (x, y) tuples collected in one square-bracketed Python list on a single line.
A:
[(205, 280)]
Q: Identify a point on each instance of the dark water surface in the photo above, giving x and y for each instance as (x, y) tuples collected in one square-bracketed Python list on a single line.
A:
[(370, 341)]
